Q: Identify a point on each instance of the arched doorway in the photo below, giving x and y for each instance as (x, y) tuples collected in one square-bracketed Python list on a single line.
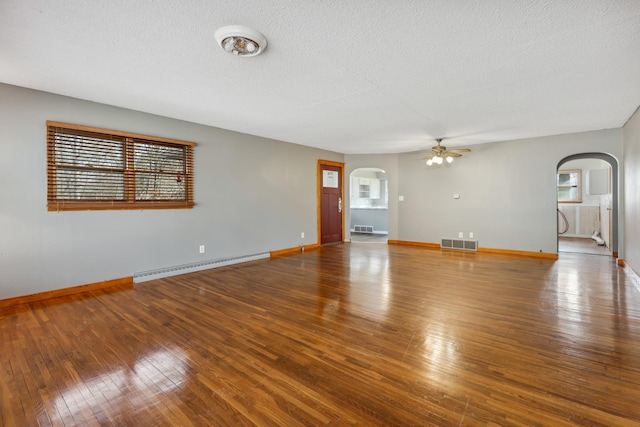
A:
[(368, 205), (587, 207)]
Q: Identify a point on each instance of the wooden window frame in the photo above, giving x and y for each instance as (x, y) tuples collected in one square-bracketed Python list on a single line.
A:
[(129, 199), (577, 186)]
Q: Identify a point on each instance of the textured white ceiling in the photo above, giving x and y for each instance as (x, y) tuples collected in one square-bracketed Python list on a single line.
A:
[(357, 76)]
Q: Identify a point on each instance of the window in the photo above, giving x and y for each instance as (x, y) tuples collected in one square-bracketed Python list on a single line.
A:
[(90, 168), (569, 186)]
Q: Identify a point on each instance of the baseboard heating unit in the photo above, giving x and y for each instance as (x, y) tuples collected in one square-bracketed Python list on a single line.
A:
[(144, 276), (461, 244)]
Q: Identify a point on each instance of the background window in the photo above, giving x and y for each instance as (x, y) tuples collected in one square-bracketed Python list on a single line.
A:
[(570, 186), (89, 168)]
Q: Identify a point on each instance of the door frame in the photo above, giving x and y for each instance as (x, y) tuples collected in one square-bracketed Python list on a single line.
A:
[(615, 202), (340, 165)]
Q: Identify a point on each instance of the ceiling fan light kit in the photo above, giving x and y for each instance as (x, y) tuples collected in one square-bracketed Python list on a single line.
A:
[(440, 153), (241, 41)]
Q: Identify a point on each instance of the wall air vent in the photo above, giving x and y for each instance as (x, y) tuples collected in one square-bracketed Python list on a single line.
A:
[(363, 228), (461, 244)]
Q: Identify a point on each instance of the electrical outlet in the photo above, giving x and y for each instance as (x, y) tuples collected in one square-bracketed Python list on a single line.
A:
[(471, 234), (456, 196), (461, 235), (201, 249), (401, 198), (302, 235)]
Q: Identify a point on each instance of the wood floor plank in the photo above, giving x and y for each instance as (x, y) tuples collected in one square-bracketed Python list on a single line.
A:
[(363, 334)]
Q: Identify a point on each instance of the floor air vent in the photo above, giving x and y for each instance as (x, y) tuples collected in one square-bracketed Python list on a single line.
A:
[(363, 228), (461, 244)]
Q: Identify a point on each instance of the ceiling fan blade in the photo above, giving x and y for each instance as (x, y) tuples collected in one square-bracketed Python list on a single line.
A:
[(462, 150), (452, 154)]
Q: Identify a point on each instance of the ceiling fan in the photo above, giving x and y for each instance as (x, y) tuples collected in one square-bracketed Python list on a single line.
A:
[(439, 153)]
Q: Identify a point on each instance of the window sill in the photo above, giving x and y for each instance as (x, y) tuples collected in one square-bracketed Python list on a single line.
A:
[(88, 206)]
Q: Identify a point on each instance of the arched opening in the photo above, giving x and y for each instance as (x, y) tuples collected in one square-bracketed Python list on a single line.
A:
[(587, 204), (368, 205)]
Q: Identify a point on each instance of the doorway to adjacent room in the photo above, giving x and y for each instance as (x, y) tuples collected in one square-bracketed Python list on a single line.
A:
[(587, 204), (368, 205)]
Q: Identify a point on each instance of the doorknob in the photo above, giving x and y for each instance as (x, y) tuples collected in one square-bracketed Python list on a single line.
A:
[(340, 204)]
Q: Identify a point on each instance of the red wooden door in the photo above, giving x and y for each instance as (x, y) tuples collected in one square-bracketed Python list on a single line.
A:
[(331, 204)]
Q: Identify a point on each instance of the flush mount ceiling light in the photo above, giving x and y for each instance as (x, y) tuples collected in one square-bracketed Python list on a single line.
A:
[(241, 41)]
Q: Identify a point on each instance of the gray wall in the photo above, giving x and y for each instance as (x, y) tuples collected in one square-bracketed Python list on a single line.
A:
[(631, 246), (252, 195), (376, 217), (507, 191)]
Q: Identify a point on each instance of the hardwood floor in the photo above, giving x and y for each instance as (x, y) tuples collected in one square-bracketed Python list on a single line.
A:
[(581, 245), (349, 334), (368, 238)]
